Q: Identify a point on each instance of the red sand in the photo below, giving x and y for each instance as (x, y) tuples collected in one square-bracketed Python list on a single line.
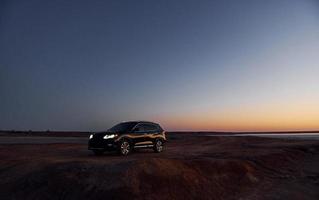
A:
[(192, 167)]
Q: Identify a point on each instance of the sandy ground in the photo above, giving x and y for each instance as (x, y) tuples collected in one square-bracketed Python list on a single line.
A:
[(42, 140), (191, 167)]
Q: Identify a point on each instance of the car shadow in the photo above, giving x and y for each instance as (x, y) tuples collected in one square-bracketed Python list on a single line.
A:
[(116, 154)]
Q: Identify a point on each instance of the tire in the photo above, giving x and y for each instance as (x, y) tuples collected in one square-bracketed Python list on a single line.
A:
[(158, 146), (98, 152), (125, 147)]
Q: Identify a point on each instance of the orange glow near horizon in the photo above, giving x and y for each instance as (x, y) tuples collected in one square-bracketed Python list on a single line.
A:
[(280, 117)]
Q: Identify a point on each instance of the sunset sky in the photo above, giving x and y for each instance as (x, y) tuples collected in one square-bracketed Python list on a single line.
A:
[(189, 65)]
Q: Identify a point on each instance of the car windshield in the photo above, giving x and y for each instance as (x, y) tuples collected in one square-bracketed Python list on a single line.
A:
[(123, 127)]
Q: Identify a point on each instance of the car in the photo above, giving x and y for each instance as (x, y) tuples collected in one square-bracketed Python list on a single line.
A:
[(127, 136)]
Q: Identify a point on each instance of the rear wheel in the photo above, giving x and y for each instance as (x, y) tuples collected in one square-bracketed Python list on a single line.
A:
[(158, 146), (125, 147)]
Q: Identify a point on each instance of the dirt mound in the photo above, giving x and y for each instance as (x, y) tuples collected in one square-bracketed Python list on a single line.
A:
[(189, 179), (154, 178)]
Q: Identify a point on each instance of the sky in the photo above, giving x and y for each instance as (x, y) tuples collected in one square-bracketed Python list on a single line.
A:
[(186, 64)]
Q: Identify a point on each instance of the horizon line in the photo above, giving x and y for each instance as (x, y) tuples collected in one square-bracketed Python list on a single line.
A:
[(170, 131)]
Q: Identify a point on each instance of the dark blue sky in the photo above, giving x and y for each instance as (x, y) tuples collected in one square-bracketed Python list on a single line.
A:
[(204, 65)]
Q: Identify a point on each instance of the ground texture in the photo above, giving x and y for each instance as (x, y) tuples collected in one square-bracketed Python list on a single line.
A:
[(191, 167)]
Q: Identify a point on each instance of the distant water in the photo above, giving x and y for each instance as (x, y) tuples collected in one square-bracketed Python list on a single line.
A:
[(303, 136)]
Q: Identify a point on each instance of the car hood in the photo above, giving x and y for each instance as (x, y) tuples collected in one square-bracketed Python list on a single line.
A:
[(105, 133)]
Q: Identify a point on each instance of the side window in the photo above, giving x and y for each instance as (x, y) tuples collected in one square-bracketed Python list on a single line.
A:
[(140, 128), (150, 128)]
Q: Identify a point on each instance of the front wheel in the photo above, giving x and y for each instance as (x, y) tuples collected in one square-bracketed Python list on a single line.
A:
[(158, 146), (124, 148)]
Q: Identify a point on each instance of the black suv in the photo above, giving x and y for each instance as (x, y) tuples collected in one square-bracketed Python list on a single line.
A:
[(126, 136)]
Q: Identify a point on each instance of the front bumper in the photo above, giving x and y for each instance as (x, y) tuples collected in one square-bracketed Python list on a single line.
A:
[(102, 144)]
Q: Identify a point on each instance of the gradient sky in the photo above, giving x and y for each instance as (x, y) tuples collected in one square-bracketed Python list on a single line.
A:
[(189, 65)]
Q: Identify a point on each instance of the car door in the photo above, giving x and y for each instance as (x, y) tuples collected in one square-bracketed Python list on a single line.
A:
[(151, 131), (140, 134)]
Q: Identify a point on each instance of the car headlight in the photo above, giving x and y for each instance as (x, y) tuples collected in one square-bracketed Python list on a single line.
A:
[(91, 136), (109, 136)]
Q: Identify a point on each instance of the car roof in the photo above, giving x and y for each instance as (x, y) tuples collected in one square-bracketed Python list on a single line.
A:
[(146, 122), (141, 122)]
